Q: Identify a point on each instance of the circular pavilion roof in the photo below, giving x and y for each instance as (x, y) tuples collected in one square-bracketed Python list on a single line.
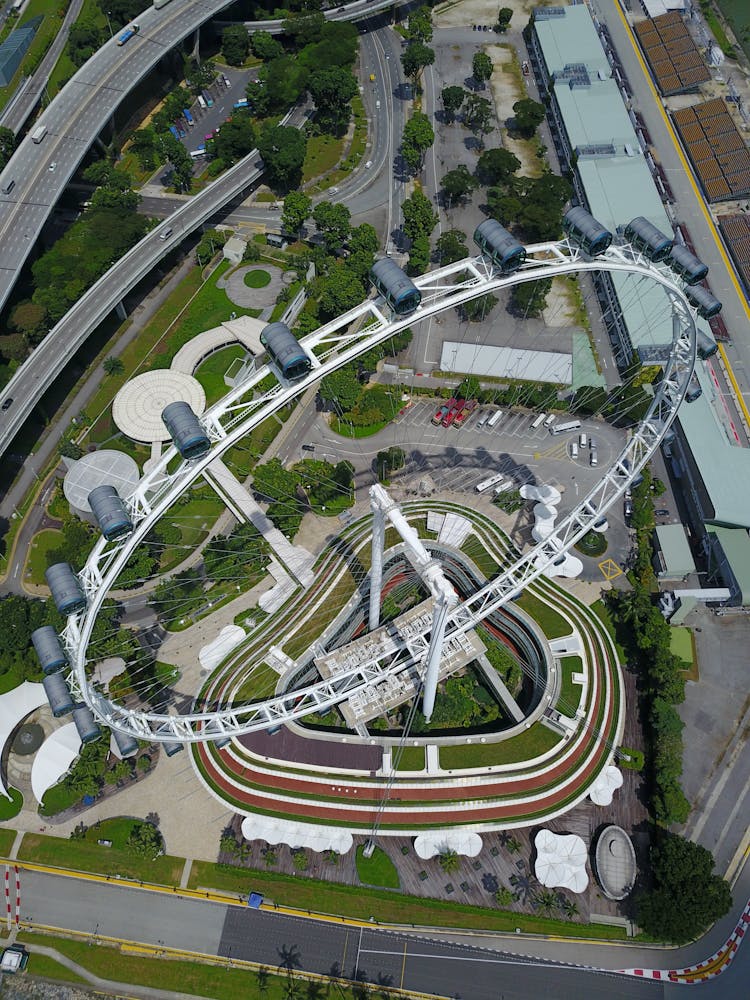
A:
[(615, 862), (138, 406), (99, 468)]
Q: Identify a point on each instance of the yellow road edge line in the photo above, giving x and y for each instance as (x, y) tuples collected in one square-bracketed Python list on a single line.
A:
[(735, 386), (166, 953), (688, 169)]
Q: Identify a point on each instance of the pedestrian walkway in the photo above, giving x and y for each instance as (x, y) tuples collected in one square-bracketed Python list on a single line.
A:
[(296, 560)]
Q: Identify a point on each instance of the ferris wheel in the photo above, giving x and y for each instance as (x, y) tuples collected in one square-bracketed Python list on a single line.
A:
[(641, 252)]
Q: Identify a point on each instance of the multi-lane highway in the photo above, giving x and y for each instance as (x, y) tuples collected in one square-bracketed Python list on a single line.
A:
[(474, 968), (40, 172)]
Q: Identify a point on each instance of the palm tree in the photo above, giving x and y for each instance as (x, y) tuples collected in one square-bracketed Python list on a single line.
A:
[(546, 901), (569, 908), (449, 861), (113, 365), (513, 845), (504, 897)]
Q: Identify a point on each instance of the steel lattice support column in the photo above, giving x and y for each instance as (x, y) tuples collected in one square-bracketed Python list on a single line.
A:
[(443, 606), (376, 567)]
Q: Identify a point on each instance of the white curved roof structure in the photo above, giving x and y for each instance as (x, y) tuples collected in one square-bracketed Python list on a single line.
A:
[(138, 406), (15, 705), (615, 863), (53, 759), (434, 842), (543, 494), (213, 653), (101, 468), (605, 786), (309, 835), (561, 861)]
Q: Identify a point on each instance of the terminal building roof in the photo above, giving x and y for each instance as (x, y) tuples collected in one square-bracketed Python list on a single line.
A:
[(562, 30)]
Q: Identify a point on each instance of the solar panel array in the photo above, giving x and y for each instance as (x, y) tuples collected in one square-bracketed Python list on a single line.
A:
[(672, 54), (716, 149), (736, 232)]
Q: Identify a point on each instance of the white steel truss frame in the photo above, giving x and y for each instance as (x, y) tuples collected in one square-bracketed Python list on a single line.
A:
[(330, 347)]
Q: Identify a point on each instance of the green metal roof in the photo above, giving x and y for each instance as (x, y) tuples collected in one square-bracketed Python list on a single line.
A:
[(584, 362), (724, 466), (678, 559), (735, 543), (571, 31), (595, 114)]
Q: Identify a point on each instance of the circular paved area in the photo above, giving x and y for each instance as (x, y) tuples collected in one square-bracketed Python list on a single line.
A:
[(138, 405), (253, 298), (101, 468)]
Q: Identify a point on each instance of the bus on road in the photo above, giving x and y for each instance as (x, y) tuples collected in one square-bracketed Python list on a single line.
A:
[(564, 428)]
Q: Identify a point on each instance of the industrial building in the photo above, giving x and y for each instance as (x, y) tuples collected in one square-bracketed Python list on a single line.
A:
[(596, 138)]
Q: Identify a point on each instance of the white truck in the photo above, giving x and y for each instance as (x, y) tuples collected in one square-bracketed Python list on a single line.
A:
[(39, 133)]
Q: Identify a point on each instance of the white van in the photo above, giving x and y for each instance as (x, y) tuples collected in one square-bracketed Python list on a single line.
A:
[(549, 420), (583, 440), (165, 235), (201, 102)]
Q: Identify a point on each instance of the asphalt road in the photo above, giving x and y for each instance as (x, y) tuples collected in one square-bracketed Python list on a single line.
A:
[(416, 961), (17, 111)]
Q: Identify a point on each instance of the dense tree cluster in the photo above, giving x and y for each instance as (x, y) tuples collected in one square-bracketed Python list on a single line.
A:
[(417, 138), (107, 230), (310, 484), (687, 896), (240, 554), (645, 635)]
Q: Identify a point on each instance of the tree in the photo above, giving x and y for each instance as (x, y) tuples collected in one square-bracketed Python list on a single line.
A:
[(332, 90), (415, 57), (529, 115), (468, 388), (497, 166), (504, 897), (113, 365), (449, 860), (144, 840), (417, 138), (687, 896), (388, 461), (280, 84), (236, 139), (419, 218), (530, 298), (343, 291), (451, 246), (419, 28), (333, 221), (296, 212), (235, 44), (478, 309), (452, 98), (84, 38), (478, 115), (265, 46), (504, 16), (283, 150), (30, 320), (481, 68), (341, 389), (363, 242), (275, 482), (7, 145), (419, 255), (458, 183)]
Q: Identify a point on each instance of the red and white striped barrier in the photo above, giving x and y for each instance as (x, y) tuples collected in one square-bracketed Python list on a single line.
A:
[(709, 968)]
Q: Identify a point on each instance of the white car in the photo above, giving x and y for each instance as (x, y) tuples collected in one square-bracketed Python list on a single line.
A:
[(52, 166), (368, 164)]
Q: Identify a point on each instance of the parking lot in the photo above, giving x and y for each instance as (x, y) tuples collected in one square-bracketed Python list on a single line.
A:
[(457, 459)]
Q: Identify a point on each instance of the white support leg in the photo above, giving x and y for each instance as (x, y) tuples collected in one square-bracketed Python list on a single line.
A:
[(443, 606), (376, 566)]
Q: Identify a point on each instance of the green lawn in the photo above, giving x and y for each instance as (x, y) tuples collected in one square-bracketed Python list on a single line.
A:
[(259, 683), (10, 807), (381, 904), (88, 856), (193, 518), (570, 693), (476, 550), (552, 624), (533, 742), (180, 977), (681, 645), (6, 841), (48, 968), (411, 759), (210, 373), (377, 870), (37, 560), (257, 278), (737, 12), (322, 154)]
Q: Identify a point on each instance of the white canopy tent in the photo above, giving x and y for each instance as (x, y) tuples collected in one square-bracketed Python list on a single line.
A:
[(561, 861), (295, 834)]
